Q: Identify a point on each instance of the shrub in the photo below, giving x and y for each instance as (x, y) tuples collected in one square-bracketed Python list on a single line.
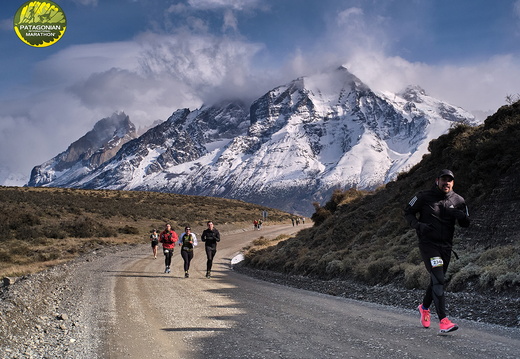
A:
[(86, 227), (467, 276), (44, 256), (334, 267), (54, 231), (261, 241), (507, 281), (5, 256), (414, 257), (320, 214), (128, 230), (389, 228), (378, 271), (28, 233), (415, 276), (19, 247)]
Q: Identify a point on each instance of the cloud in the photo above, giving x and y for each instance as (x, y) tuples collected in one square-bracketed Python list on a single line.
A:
[(347, 32), (479, 86), (346, 15), (123, 72), (80, 61), (239, 5), (516, 14), (516, 8), (32, 129), (230, 21), (6, 25), (212, 67), (86, 2), (179, 8)]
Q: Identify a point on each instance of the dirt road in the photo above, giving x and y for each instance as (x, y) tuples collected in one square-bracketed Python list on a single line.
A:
[(151, 314)]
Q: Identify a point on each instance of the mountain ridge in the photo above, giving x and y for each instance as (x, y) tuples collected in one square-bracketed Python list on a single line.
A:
[(291, 147)]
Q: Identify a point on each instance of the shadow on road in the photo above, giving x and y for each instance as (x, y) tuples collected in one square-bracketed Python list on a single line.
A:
[(193, 329)]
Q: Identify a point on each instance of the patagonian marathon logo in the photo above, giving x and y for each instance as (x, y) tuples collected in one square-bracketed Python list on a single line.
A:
[(40, 23)]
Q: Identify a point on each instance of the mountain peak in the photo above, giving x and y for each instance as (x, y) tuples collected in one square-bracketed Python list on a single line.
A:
[(91, 150), (118, 124), (413, 93)]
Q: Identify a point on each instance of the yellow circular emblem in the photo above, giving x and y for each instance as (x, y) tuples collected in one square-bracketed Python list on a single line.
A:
[(40, 23)]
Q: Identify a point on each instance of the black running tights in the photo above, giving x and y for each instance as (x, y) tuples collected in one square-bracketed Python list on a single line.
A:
[(436, 259), (168, 253), (210, 253), (187, 256)]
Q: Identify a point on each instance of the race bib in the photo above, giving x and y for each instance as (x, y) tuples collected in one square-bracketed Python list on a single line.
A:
[(436, 262)]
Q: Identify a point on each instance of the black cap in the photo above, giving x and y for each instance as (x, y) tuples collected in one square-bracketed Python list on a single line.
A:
[(446, 172)]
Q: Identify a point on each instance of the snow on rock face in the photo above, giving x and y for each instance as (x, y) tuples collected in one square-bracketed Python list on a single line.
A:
[(94, 148), (290, 148)]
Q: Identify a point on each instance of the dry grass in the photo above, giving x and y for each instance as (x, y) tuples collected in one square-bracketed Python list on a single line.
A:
[(262, 243), (41, 227)]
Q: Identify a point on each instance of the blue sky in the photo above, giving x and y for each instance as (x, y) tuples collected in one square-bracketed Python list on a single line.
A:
[(151, 57)]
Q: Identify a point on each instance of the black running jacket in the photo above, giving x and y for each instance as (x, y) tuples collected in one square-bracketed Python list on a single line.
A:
[(438, 213), (211, 237)]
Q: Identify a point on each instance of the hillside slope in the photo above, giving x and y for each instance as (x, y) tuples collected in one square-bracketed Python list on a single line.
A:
[(363, 236)]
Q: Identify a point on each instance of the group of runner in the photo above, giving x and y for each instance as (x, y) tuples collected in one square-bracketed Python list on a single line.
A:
[(297, 220), (187, 241), (257, 224)]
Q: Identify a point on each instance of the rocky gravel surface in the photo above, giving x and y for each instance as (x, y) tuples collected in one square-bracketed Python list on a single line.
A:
[(53, 314)]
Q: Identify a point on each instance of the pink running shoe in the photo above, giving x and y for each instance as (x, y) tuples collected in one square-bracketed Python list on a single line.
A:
[(425, 316), (447, 326)]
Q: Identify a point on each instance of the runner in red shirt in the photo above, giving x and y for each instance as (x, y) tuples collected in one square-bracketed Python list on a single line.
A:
[(168, 238)]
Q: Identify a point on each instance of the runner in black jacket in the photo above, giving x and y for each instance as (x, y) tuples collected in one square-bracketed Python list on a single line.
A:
[(210, 236), (439, 209)]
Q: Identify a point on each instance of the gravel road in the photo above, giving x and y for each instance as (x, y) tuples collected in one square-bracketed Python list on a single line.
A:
[(118, 303)]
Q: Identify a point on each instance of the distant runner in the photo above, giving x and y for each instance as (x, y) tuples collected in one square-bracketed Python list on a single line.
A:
[(210, 237), (154, 240)]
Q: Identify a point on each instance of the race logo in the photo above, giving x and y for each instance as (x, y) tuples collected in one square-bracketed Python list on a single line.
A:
[(40, 23)]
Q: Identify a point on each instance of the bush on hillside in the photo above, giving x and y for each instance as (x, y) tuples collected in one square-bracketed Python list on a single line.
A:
[(338, 198)]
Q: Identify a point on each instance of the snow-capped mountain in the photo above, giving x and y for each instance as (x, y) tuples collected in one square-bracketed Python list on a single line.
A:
[(291, 147), (87, 153)]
